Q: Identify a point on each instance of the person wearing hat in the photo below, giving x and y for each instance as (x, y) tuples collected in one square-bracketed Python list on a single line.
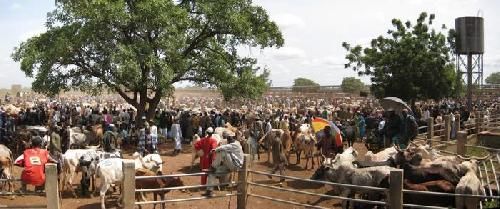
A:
[(228, 158), (34, 160), (206, 144)]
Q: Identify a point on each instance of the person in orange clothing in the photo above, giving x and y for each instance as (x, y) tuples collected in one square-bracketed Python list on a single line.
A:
[(34, 160), (206, 144)]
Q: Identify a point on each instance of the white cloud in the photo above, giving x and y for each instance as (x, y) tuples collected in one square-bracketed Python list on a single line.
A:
[(287, 53), (15, 6), (286, 21)]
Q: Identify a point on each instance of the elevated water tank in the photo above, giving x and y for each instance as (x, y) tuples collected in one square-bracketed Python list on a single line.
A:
[(470, 35)]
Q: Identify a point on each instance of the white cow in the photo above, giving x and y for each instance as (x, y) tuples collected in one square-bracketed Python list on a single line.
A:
[(76, 137), (151, 162), (6, 166), (71, 159), (469, 184), (111, 172), (381, 156)]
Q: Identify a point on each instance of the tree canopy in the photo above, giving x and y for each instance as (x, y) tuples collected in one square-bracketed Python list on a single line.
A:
[(494, 78), (305, 85), (139, 49), (352, 85), (412, 62)]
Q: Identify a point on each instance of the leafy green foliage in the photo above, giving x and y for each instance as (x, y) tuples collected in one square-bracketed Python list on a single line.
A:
[(305, 85), (494, 78), (352, 85), (413, 62), (139, 49)]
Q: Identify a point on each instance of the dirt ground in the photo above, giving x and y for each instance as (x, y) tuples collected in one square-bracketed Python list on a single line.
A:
[(181, 164)]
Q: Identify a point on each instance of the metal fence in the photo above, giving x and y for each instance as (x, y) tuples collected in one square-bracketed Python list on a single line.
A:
[(51, 190)]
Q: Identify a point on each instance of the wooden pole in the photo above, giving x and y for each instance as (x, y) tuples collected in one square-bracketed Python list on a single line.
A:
[(128, 184), (461, 141), (478, 121), (51, 186), (447, 127), (396, 189), (457, 122), (430, 128), (242, 183)]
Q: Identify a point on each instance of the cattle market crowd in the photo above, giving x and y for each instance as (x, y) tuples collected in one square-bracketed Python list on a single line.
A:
[(88, 132)]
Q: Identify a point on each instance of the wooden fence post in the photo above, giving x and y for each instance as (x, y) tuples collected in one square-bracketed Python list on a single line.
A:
[(461, 141), (478, 121), (242, 183), (51, 186), (430, 128), (447, 127), (457, 122), (128, 184), (396, 189)]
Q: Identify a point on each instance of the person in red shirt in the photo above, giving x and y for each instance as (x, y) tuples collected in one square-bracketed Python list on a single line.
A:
[(207, 144), (34, 160)]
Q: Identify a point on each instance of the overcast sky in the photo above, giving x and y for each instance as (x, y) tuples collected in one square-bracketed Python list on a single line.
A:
[(313, 31)]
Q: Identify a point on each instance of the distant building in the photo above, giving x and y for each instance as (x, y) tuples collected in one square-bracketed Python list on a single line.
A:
[(16, 88)]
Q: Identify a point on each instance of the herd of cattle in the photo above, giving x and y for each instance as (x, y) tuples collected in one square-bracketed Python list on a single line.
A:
[(424, 169), (92, 162)]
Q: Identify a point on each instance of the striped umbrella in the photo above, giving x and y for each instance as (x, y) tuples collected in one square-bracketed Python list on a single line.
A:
[(318, 124)]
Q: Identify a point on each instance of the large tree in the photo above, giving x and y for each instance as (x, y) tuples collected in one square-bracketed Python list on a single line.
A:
[(139, 49), (412, 62), (494, 78), (305, 85), (352, 85)]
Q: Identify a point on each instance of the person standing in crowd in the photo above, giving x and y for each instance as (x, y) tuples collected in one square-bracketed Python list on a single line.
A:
[(279, 157), (206, 144), (393, 127), (163, 126), (228, 158), (154, 137), (360, 125), (256, 133), (177, 135), (149, 141), (34, 160), (409, 128), (109, 138), (55, 142), (141, 144)]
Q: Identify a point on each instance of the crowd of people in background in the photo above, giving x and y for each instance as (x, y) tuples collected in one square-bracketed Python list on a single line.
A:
[(181, 120)]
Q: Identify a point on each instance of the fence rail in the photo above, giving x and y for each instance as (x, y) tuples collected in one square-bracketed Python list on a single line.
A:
[(51, 190), (378, 189)]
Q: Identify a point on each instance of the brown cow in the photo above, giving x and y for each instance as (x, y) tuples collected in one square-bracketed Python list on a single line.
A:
[(155, 183), (428, 199)]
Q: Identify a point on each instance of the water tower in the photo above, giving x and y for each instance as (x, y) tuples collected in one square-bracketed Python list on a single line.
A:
[(469, 52)]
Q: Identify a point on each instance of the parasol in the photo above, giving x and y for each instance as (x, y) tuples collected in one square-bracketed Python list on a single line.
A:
[(394, 103), (319, 124)]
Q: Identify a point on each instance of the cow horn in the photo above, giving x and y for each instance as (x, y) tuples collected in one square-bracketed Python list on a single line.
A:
[(481, 158), (463, 158)]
